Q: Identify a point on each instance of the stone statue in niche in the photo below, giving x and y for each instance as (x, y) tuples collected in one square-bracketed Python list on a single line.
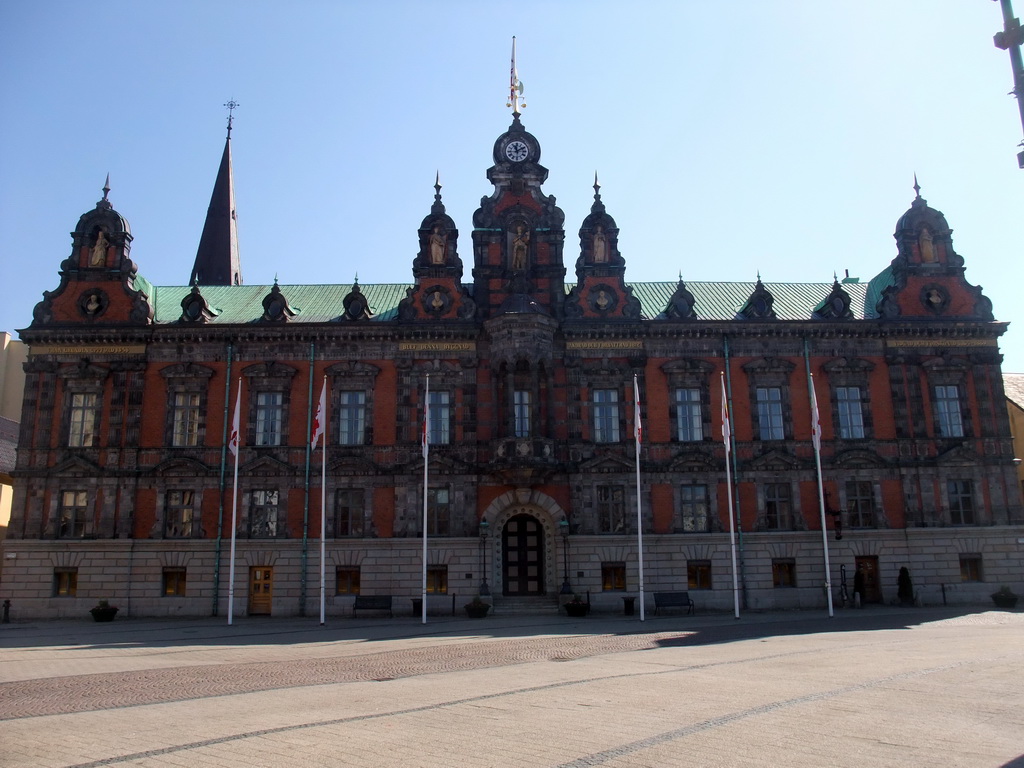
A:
[(520, 247), (927, 248), (437, 301), (438, 245), (600, 246), (602, 300), (98, 257)]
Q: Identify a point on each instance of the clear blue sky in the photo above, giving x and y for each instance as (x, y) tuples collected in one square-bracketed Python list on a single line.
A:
[(730, 138)]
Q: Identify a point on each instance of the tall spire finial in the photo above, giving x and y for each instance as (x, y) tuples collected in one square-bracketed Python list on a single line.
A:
[(231, 104), (106, 187), (597, 187), (515, 90), (917, 187), (437, 185)]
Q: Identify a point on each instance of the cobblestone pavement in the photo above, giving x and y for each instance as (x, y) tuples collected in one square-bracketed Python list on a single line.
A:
[(879, 687)]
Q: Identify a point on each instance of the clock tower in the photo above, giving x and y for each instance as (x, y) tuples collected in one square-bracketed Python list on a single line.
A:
[(518, 233)]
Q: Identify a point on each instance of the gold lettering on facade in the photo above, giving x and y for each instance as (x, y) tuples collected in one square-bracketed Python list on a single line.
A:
[(87, 349), (436, 346), (597, 344), (943, 343)]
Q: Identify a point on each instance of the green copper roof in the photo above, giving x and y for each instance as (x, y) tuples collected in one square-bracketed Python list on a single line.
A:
[(240, 304)]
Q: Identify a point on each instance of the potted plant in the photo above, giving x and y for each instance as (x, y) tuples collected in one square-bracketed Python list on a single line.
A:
[(577, 606), (103, 611), (1004, 597), (477, 608)]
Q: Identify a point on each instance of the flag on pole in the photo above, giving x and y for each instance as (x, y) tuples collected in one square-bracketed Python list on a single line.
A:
[(637, 427), (319, 419), (515, 91), (815, 419), (233, 439), (726, 426)]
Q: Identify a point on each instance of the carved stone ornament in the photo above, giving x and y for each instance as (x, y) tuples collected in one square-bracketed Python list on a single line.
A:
[(436, 300), (93, 302), (603, 298), (934, 298), (759, 305)]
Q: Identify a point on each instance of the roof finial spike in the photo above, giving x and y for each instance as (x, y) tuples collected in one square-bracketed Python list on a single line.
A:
[(917, 188), (597, 187), (355, 281), (515, 90), (231, 104), (759, 275), (275, 278), (437, 185), (106, 187)]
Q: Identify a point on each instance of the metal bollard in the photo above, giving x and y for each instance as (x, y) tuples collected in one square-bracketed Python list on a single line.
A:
[(7, 612)]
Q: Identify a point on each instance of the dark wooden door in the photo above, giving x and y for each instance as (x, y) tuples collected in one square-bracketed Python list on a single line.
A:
[(523, 556), (868, 566)]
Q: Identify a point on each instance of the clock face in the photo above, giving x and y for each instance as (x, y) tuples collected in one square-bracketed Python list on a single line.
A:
[(516, 151)]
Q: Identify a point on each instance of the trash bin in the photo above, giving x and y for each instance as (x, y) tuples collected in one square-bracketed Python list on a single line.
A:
[(627, 605), (417, 606)]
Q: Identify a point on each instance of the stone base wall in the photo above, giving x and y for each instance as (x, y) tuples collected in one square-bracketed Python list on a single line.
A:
[(129, 573)]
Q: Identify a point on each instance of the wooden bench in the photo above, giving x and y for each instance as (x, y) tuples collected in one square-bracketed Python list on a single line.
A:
[(673, 600), (372, 603)]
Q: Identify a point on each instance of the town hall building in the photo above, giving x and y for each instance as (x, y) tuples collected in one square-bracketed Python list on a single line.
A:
[(124, 489)]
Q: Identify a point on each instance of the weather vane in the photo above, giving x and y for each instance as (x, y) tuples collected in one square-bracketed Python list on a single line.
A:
[(515, 90), (231, 104)]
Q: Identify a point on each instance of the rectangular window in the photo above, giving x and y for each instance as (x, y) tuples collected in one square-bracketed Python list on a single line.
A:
[(689, 420), (948, 421), (348, 512), (186, 419), (606, 416), (783, 572), (778, 507), (961, 501), (269, 417), (611, 509), (352, 418), (769, 413), (65, 582), (440, 418), (970, 568), (437, 580), (179, 514), (263, 514), (693, 508), (439, 511), (74, 510), (522, 412), (860, 504), (613, 577), (347, 581), (851, 414), (174, 582), (83, 420), (698, 574)]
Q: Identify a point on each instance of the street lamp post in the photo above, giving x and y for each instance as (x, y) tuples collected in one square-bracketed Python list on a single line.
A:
[(485, 590), (563, 528)]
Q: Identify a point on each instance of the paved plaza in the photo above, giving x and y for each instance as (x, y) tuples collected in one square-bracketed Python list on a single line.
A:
[(873, 687)]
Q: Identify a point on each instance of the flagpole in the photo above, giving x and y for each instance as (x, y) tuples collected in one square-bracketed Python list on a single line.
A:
[(426, 462), (323, 505), (816, 440), (726, 438), (234, 444), (639, 518)]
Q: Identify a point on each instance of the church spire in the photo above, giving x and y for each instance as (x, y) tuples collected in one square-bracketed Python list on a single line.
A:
[(217, 261)]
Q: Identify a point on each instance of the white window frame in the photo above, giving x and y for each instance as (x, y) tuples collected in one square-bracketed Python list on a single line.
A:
[(689, 415)]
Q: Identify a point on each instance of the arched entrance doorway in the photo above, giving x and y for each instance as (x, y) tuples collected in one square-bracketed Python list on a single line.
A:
[(522, 556)]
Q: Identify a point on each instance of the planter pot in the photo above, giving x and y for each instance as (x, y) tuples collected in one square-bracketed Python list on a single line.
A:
[(477, 611), (576, 610), (1005, 601), (104, 614)]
